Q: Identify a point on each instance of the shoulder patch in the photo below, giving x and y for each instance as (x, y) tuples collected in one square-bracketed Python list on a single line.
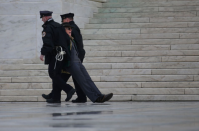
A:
[(43, 34)]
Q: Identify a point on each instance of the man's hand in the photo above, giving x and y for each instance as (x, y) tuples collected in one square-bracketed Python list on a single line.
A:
[(42, 57)]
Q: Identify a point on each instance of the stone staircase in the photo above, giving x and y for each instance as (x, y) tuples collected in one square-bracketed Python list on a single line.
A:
[(141, 50)]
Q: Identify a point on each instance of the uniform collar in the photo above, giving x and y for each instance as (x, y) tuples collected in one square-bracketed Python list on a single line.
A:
[(47, 22)]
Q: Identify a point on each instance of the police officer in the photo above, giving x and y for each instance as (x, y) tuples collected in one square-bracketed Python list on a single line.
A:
[(76, 34), (79, 72), (55, 40)]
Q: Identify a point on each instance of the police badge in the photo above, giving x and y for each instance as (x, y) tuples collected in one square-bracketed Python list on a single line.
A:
[(43, 34)]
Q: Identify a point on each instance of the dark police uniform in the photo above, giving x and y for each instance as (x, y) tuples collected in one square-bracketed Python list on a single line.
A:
[(53, 35), (76, 34), (80, 74)]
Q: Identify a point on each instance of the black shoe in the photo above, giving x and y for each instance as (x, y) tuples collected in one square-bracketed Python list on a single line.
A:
[(46, 96), (53, 101), (70, 94), (79, 101), (104, 98)]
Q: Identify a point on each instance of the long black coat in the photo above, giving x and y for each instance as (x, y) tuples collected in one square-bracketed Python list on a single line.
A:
[(76, 34), (54, 34)]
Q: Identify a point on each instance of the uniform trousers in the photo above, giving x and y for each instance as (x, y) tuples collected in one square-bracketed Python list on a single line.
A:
[(58, 83)]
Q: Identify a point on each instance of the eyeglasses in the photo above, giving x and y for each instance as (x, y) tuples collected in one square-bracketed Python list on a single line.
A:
[(68, 28)]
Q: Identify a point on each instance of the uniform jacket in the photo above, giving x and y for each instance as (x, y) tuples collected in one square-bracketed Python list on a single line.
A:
[(76, 34), (54, 34)]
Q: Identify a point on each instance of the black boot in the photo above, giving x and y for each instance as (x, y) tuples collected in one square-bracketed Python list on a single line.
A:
[(49, 96), (104, 98), (53, 101), (70, 94), (79, 101)]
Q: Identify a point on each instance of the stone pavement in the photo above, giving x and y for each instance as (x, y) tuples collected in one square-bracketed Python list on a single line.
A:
[(110, 116)]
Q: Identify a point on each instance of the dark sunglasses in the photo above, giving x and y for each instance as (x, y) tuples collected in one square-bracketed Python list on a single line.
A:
[(68, 28)]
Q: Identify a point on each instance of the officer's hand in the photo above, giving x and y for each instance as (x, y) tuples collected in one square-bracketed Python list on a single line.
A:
[(42, 57)]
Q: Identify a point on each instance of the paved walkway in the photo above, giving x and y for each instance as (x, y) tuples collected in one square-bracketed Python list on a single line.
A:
[(111, 116)]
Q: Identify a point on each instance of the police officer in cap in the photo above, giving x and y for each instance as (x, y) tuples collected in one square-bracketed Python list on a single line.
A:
[(79, 72), (55, 50), (76, 34)]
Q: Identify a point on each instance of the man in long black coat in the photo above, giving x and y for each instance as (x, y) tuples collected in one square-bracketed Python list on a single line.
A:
[(53, 36)]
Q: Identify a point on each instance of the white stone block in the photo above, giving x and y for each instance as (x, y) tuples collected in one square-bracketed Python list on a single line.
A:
[(148, 78), (103, 53), (121, 59), (111, 31), (174, 19), (23, 67), (129, 10), (167, 65), (109, 20), (107, 42), (119, 72), (175, 71), (192, 91), (169, 30), (160, 53), (185, 47), (180, 58), (23, 43), (139, 91), (127, 48), (5, 79), (137, 25), (171, 42), (170, 84), (118, 84)]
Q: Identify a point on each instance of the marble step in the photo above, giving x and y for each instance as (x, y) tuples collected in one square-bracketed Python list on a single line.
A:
[(150, 14), (125, 10), (184, 31), (33, 66), (142, 31), (142, 25), (123, 78), (165, 97), (111, 31), (40, 79), (172, 42), (109, 72), (150, 78), (183, 84), (116, 91), (143, 20), (143, 53), (180, 58), (124, 59), (135, 36), (161, 53), (128, 48), (99, 72), (185, 47), (131, 4), (9, 86), (162, 65)]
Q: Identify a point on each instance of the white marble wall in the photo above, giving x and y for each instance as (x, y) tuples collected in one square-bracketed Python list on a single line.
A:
[(20, 23)]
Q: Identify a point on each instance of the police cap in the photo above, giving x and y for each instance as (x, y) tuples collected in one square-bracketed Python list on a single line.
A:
[(69, 15), (45, 13)]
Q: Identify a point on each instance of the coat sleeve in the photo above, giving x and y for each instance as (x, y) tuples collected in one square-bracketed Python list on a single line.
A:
[(79, 42), (48, 45)]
